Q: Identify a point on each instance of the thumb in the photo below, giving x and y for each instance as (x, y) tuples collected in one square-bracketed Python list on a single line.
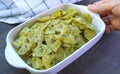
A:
[(101, 6)]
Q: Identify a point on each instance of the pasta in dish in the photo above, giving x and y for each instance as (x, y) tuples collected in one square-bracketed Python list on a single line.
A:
[(52, 38)]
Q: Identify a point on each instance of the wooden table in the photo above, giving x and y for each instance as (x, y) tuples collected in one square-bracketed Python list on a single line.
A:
[(102, 58)]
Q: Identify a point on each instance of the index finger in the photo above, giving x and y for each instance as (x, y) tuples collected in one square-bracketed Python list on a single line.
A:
[(102, 6)]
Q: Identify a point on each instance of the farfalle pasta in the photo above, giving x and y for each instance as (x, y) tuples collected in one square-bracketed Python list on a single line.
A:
[(52, 38)]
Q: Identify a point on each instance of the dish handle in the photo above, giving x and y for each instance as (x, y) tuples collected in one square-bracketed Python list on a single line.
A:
[(13, 58)]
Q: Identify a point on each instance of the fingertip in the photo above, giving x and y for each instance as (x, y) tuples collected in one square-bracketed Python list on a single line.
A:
[(92, 7), (107, 30)]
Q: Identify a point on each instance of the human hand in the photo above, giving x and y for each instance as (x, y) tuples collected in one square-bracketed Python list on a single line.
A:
[(109, 11)]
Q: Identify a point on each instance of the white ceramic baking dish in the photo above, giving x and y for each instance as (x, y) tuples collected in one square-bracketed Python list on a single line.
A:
[(15, 60)]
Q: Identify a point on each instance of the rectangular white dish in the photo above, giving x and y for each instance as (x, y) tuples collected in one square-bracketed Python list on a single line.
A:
[(15, 60)]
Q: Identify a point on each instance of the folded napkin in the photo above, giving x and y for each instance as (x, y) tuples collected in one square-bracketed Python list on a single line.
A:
[(17, 11)]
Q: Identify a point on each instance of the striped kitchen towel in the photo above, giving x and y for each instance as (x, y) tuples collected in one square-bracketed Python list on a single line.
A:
[(17, 11)]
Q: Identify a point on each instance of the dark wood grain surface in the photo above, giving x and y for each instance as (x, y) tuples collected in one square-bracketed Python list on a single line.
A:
[(102, 58)]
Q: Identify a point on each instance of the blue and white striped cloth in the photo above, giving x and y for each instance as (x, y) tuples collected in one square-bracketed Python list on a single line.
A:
[(17, 11)]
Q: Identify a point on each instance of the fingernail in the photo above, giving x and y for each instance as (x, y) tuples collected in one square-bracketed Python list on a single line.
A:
[(92, 7)]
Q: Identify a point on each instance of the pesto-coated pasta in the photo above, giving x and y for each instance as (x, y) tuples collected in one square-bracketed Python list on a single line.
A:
[(52, 38)]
